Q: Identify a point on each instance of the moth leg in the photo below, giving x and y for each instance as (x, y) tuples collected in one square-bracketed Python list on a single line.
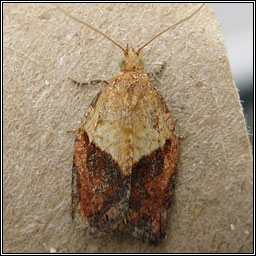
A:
[(182, 137), (93, 82), (158, 73), (72, 131)]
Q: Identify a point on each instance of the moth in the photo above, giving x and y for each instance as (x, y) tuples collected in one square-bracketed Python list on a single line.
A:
[(125, 154)]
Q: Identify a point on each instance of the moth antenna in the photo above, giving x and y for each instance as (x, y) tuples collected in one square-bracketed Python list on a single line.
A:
[(171, 27), (91, 27)]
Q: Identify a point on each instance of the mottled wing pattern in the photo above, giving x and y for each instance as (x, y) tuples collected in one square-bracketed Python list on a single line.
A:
[(126, 152), (100, 190), (153, 173), (125, 159)]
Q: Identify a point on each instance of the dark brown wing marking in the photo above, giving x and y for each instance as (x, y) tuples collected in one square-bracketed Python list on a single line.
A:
[(100, 192), (152, 189)]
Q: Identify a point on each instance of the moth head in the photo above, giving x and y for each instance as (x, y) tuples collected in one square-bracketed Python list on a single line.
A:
[(131, 60)]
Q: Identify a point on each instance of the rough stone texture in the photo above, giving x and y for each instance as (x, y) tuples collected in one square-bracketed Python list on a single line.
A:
[(213, 204)]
